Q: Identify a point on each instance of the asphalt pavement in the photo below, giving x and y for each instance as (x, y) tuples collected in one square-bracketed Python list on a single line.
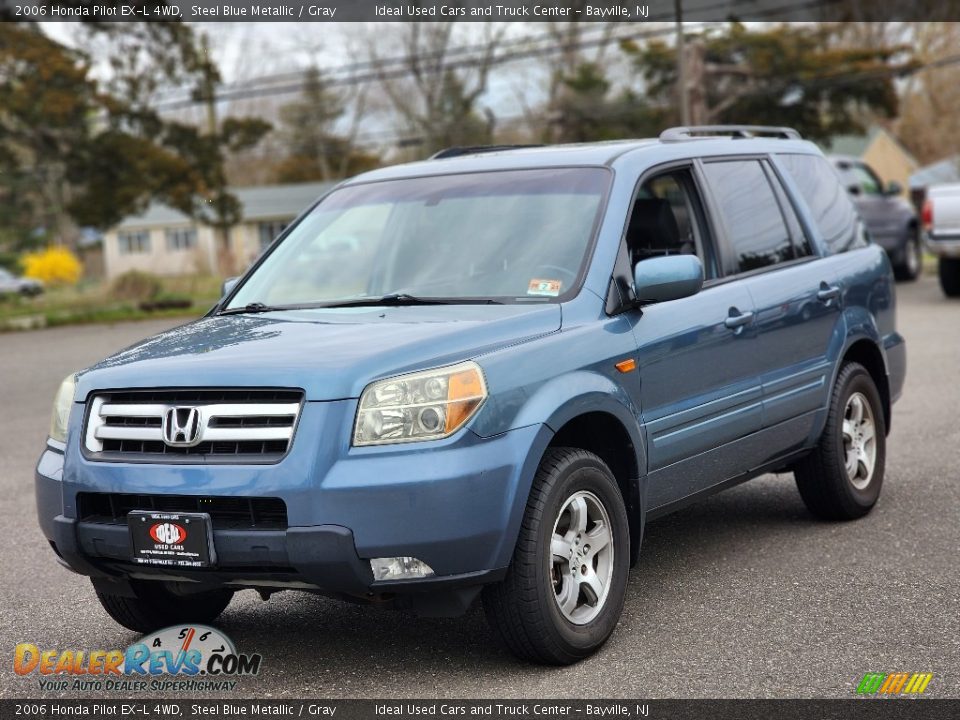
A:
[(741, 595)]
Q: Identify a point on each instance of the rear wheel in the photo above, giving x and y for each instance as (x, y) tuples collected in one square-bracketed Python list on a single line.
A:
[(155, 607), (564, 591), (911, 263), (842, 477), (950, 276)]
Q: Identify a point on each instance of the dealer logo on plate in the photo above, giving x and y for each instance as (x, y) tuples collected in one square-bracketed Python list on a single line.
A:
[(168, 533)]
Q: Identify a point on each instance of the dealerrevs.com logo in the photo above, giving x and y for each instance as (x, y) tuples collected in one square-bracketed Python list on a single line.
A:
[(894, 683), (178, 658)]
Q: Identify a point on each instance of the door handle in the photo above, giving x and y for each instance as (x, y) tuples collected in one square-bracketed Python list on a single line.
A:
[(735, 322), (828, 292)]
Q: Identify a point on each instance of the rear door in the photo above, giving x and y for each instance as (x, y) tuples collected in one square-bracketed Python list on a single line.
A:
[(797, 300)]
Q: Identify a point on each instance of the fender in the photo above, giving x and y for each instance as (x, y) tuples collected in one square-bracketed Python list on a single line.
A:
[(858, 324), (560, 400)]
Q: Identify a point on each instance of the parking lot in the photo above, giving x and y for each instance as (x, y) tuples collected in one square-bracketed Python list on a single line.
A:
[(742, 595)]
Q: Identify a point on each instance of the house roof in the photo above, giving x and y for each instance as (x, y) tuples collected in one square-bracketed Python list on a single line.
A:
[(851, 145), (261, 202), (944, 171)]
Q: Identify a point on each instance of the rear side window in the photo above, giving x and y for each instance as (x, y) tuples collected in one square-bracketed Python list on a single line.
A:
[(750, 213), (833, 211)]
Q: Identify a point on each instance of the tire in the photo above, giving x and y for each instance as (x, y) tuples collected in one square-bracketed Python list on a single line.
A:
[(911, 265), (524, 609), (155, 607), (831, 489), (950, 276)]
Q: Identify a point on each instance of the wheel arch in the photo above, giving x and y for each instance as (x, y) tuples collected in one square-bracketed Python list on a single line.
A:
[(606, 436), (867, 352)]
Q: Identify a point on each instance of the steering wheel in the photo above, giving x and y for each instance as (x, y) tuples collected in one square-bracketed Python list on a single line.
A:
[(567, 277)]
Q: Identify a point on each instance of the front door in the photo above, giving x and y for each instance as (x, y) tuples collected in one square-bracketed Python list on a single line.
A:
[(700, 391)]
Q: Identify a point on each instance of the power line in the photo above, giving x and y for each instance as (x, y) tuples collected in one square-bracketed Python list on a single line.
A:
[(365, 71)]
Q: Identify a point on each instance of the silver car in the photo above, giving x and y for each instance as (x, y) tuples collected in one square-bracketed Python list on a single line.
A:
[(11, 284)]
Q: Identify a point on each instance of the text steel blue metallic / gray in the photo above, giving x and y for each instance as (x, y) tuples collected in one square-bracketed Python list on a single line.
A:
[(483, 373)]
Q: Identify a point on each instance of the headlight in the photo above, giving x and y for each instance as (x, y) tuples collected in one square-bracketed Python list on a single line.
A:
[(420, 406), (61, 409)]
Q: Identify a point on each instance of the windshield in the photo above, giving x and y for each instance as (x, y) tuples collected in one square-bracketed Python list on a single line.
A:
[(499, 236)]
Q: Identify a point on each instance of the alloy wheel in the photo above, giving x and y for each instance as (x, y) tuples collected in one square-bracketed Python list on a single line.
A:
[(581, 562), (859, 441)]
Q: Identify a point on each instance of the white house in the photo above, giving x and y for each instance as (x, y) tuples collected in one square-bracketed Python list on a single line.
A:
[(164, 241)]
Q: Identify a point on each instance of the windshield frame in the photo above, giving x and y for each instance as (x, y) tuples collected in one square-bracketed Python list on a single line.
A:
[(575, 288)]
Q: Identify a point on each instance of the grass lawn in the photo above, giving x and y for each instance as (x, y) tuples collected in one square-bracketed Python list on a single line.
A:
[(92, 302)]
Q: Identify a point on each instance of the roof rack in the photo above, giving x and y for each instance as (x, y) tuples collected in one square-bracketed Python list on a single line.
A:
[(735, 132), (475, 150)]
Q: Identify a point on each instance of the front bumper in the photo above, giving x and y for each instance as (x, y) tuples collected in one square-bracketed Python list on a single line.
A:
[(455, 504)]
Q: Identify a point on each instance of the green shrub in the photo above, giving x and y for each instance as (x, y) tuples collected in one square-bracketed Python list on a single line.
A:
[(136, 286), (10, 261)]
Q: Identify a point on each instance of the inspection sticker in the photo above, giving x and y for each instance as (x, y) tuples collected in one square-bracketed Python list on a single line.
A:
[(550, 288)]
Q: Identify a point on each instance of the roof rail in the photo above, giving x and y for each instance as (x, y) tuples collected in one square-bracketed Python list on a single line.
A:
[(475, 150), (736, 132)]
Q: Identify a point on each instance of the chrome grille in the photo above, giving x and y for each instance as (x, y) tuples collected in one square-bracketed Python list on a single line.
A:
[(192, 425)]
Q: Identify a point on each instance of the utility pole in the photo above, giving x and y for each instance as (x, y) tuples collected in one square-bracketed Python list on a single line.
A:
[(221, 228), (682, 90)]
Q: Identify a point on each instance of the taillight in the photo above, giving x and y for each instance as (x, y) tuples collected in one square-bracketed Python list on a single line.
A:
[(926, 215)]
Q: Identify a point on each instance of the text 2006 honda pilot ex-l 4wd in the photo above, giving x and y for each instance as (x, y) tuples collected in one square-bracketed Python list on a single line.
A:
[(484, 373)]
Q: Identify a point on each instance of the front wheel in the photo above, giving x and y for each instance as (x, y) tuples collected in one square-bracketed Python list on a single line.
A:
[(842, 477), (154, 607), (564, 591)]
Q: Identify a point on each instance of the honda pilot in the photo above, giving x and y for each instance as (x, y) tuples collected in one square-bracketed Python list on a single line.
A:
[(482, 375)]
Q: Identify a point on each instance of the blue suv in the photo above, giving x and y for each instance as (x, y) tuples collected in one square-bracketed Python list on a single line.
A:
[(484, 373)]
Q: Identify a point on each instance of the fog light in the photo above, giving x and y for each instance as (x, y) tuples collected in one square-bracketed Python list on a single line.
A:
[(399, 568)]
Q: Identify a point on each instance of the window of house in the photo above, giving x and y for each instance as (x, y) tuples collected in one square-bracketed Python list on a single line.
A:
[(181, 239), (131, 243), (751, 214), (269, 230)]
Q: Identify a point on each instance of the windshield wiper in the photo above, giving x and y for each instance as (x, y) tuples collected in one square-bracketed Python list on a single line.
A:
[(402, 298), (251, 308)]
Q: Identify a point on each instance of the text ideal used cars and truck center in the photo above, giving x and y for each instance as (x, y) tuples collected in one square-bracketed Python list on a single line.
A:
[(481, 375)]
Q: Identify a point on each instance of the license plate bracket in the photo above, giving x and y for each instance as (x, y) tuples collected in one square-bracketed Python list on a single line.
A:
[(172, 539)]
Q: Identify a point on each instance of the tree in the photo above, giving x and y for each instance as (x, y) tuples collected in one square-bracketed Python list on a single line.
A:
[(788, 75), (314, 148), (585, 112), (75, 150), (435, 94), (929, 123)]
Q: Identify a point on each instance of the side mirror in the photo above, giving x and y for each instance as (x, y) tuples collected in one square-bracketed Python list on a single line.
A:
[(893, 188), (854, 189), (667, 278), (228, 285)]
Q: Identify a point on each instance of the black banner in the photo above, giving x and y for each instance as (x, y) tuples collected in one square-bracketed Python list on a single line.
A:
[(859, 709), (633, 11)]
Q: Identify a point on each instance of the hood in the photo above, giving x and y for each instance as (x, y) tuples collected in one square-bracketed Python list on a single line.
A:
[(331, 354)]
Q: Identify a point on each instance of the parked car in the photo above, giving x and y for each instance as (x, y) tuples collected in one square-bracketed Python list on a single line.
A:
[(527, 355), (941, 223), (891, 218), (10, 284)]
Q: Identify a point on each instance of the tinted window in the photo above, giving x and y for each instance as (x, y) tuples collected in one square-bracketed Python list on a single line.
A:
[(831, 207), (801, 243), (750, 213)]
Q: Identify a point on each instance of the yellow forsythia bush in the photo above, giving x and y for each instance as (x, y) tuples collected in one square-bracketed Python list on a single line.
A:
[(53, 266)]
